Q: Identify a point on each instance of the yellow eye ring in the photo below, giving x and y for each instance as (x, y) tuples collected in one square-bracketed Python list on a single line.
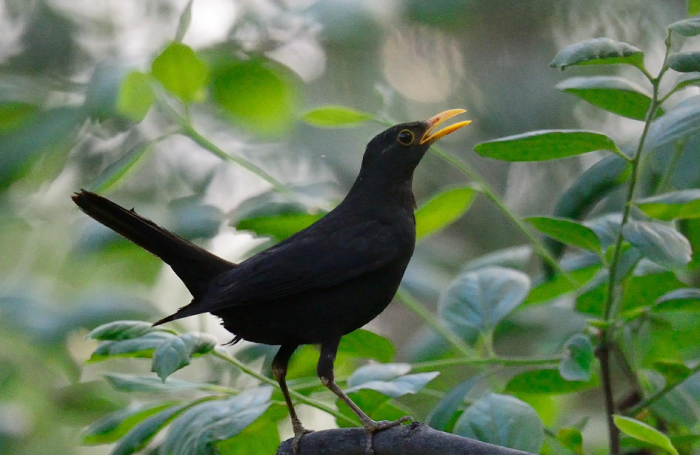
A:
[(405, 137)]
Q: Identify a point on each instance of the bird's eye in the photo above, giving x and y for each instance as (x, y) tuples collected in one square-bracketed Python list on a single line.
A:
[(405, 137)]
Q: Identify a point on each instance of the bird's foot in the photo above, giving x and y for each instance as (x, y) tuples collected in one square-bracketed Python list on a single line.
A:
[(299, 432), (372, 427)]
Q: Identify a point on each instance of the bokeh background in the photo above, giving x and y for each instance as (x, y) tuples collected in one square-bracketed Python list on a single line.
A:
[(60, 61)]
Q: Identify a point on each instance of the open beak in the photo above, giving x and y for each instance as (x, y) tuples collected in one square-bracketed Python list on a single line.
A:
[(430, 137)]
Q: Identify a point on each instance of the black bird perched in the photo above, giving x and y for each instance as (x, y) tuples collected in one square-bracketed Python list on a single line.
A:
[(319, 284)]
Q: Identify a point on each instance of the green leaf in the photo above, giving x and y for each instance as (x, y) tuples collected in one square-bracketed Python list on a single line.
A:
[(13, 114), (140, 435), (280, 226), (685, 299), (177, 352), (643, 432), (684, 62), (442, 210), (444, 415), (504, 421), (135, 96), (181, 72), (571, 438), (118, 170), (680, 122), (149, 384), (684, 204), (260, 438), (547, 381), (674, 372), (567, 231), (256, 93), (365, 344), (611, 93), (475, 302), (516, 257), (643, 290), (686, 80), (546, 145), (122, 330), (204, 425), (693, 7), (686, 27), (335, 117), (660, 244), (184, 23), (580, 269), (578, 358), (111, 428), (389, 379), (598, 51), (141, 347)]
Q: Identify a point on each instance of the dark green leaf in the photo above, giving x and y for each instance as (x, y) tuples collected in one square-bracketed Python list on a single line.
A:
[(445, 413), (545, 145), (122, 330), (181, 72), (685, 299), (442, 210), (184, 23), (571, 438), (204, 425), (141, 347), (176, 352), (140, 435), (598, 51), (504, 421), (335, 117), (613, 94), (475, 302), (135, 96), (114, 426), (669, 206), (680, 122), (567, 231), (547, 381), (115, 172), (661, 244), (685, 62), (280, 226), (674, 372), (149, 384), (686, 27), (389, 379), (578, 358), (643, 290), (365, 344), (643, 432), (256, 93)]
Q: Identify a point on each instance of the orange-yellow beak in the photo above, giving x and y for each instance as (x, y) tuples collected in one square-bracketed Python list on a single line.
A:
[(430, 137)]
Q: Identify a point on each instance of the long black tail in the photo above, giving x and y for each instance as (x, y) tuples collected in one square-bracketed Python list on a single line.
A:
[(195, 266)]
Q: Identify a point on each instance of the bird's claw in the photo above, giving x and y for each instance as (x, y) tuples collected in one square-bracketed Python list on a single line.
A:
[(372, 426), (299, 433)]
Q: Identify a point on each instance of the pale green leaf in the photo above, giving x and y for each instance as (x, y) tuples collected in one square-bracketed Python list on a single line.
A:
[(598, 51), (684, 62), (567, 231), (684, 204), (335, 117), (659, 243), (181, 72), (643, 432), (135, 96), (442, 210)]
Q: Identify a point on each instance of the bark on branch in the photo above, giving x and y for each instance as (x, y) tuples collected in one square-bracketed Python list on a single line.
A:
[(414, 439)]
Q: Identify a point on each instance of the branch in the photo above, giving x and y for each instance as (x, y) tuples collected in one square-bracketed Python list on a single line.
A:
[(414, 439)]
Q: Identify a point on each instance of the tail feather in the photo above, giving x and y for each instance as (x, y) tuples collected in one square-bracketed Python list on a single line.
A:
[(195, 266)]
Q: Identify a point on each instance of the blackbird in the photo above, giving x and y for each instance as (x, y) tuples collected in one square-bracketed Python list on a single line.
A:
[(317, 285)]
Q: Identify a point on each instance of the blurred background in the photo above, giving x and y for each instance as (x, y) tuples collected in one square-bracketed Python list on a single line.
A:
[(61, 63)]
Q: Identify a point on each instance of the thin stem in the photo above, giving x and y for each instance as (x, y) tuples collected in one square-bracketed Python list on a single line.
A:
[(188, 130), (484, 188), (660, 394), (504, 361), (606, 383), (302, 398), (418, 308)]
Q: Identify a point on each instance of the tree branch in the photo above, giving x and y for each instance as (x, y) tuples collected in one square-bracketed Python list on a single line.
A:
[(414, 439)]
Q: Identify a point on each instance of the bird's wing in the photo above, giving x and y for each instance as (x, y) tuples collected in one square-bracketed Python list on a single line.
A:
[(314, 260)]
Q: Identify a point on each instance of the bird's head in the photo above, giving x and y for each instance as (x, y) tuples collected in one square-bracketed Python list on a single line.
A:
[(397, 151)]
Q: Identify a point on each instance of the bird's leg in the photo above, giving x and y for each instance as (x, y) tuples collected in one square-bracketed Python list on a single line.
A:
[(279, 371), (325, 373)]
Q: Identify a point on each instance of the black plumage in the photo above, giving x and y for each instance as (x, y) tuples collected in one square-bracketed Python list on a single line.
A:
[(319, 284)]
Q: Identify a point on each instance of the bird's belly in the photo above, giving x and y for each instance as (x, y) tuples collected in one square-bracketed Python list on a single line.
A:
[(318, 315)]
